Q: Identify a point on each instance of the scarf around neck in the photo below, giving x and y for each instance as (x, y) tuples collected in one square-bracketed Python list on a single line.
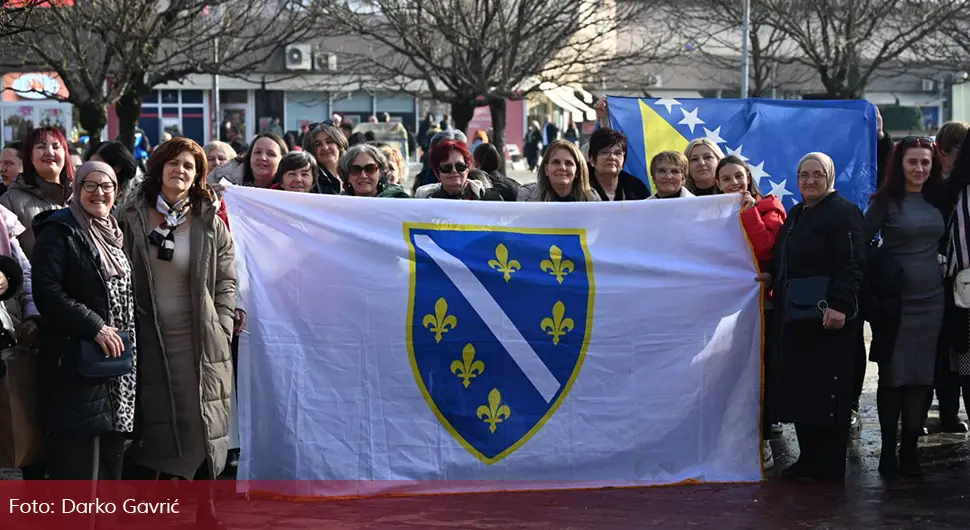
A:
[(103, 231), (163, 236)]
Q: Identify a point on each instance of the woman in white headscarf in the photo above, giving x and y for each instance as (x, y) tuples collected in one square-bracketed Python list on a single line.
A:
[(819, 262)]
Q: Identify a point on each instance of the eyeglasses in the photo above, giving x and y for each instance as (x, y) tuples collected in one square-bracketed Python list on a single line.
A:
[(615, 153), (106, 187), (459, 167), (370, 169), (815, 177)]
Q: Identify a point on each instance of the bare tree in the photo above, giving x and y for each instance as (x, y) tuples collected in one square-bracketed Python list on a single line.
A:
[(15, 15), (847, 41), (713, 30), (479, 52), (112, 52)]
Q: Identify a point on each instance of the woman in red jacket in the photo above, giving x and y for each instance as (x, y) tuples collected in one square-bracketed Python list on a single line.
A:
[(762, 218)]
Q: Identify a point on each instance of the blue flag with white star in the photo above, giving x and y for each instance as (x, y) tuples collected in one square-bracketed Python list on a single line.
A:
[(771, 135)]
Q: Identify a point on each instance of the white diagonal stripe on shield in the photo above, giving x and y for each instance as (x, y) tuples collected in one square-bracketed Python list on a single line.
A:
[(494, 317)]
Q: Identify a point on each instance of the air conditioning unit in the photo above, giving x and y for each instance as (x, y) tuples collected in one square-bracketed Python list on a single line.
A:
[(325, 62), (299, 57), (927, 85)]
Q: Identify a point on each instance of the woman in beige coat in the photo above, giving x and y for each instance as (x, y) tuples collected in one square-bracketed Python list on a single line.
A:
[(185, 289)]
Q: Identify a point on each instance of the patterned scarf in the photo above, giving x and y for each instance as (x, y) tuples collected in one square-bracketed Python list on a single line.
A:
[(163, 236)]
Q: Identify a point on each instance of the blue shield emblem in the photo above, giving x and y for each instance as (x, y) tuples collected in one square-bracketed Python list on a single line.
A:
[(499, 320)]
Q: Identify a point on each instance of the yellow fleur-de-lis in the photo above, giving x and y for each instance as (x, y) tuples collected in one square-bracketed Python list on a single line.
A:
[(555, 265), (502, 264), (557, 326), (440, 322), (494, 413), (467, 368)]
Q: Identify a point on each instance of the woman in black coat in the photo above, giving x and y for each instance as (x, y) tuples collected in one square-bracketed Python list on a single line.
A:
[(82, 288), (819, 262)]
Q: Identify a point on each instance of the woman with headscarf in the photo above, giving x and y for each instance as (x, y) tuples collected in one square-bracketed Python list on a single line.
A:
[(819, 262), (83, 288)]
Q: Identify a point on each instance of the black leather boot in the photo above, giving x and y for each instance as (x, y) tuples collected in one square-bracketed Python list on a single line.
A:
[(908, 454), (205, 515), (888, 462), (953, 425)]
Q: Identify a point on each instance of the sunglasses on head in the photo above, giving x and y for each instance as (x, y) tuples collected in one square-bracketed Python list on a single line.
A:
[(316, 124), (370, 169), (460, 167), (921, 140)]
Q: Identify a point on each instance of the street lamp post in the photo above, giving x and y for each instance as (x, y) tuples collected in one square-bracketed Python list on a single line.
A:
[(216, 118), (746, 37)]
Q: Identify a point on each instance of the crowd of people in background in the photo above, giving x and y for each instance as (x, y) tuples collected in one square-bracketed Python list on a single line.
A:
[(89, 241)]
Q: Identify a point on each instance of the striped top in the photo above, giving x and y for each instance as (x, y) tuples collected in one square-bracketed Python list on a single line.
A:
[(958, 240)]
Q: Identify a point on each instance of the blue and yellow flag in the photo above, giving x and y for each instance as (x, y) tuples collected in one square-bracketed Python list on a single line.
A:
[(770, 135)]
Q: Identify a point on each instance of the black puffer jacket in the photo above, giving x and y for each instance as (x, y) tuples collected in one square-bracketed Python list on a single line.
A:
[(72, 298)]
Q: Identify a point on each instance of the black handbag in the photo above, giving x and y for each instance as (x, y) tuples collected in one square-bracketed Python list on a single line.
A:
[(806, 298), (93, 364)]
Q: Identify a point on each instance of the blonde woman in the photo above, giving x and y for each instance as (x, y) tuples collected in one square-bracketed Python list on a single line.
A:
[(702, 158), (397, 170), (563, 176), (218, 154)]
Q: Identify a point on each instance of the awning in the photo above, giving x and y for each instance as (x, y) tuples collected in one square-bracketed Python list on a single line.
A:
[(565, 98)]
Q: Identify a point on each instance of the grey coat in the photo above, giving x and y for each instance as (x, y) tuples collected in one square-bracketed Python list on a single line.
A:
[(213, 279)]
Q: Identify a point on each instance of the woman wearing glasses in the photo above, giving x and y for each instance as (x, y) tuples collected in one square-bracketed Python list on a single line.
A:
[(450, 161), (607, 155), (82, 283), (909, 212), (819, 261), (364, 169)]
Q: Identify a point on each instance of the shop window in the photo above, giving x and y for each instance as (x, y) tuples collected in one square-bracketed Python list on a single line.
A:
[(192, 96), (170, 97), (152, 98), (233, 96), (194, 128), (150, 125), (17, 123)]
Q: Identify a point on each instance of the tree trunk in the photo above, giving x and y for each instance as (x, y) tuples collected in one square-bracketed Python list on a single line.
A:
[(497, 106), (93, 118), (462, 112), (128, 110)]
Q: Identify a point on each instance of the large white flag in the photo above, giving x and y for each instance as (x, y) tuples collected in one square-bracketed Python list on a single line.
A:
[(434, 345)]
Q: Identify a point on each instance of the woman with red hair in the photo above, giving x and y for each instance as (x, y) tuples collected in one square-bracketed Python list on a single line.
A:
[(450, 161), (45, 183)]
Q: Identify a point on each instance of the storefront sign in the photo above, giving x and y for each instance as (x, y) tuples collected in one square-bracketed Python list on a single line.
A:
[(36, 86)]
